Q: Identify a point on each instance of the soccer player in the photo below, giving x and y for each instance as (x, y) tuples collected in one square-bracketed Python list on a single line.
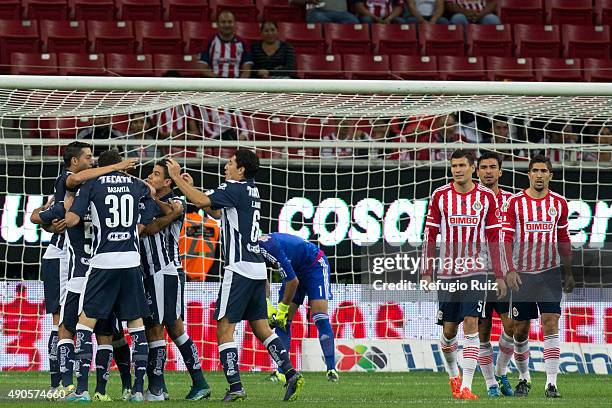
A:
[(305, 272), (489, 170), (537, 244), (114, 280), (465, 214), (164, 284), (242, 295)]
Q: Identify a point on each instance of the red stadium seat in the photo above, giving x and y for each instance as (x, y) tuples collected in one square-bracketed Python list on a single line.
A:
[(161, 37), (81, 64), (280, 10), (509, 69), (414, 67), (111, 37), (63, 36), (597, 70), (146, 10), (266, 127), (586, 41), (244, 10), (305, 38), (196, 35), (569, 12), (319, 66), (487, 40), (347, 38), (248, 31), (129, 65), (603, 12), (366, 66), (395, 39), (10, 10), (33, 64), (45, 9), (453, 68), (557, 70), (100, 10), (17, 36), (436, 39), (537, 41), (521, 11), (185, 10), (185, 65)]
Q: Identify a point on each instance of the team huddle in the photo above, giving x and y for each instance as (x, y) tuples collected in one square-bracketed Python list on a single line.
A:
[(114, 258)]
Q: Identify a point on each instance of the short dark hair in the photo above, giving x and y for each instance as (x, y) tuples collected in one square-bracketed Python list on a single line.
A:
[(109, 157), (248, 159), (460, 154), (539, 158), (489, 155), (263, 24), (226, 11), (75, 149), (164, 164)]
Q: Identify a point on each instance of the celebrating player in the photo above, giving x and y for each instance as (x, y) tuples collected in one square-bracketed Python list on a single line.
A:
[(242, 295), (305, 272), (465, 214), (489, 170), (537, 241)]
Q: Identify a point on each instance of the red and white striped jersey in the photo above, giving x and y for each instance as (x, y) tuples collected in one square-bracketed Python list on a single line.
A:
[(502, 198), (477, 5), (469, 229), (380, 8), (226, 58), (535, 232), (216, 121), (174, 120)]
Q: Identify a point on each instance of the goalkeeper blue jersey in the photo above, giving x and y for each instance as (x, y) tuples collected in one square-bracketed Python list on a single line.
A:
[(292, 255)]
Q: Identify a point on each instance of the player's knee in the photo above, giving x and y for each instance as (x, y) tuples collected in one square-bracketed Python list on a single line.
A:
[(521, 330), (550, 324), (102, 339), (450, 332), (470, 324), (176, 329), (64, 333), (154, 333)]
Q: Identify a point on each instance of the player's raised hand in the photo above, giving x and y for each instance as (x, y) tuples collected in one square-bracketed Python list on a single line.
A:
[(502, 289), (187, 177), (513, 280), (126, 164), (177, 207), (174, 169)]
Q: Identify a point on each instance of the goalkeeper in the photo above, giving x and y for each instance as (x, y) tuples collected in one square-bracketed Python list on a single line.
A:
[(305, 272)]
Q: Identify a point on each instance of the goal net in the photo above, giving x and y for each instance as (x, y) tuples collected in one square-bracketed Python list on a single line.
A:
[(349, 166)]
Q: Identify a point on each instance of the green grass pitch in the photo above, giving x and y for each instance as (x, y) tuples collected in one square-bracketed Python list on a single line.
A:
[(354, 390)]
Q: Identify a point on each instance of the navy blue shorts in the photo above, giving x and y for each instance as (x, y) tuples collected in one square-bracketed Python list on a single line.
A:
[(51, 284), (163, 294), (500, 308), (69, 316), (314, 283), (118, 290), (455, 305), (241, 298), (182, 278), (541, 292)]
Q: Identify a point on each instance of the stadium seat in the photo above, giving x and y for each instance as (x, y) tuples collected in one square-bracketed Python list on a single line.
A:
[(347, 38), (185, 10), (100, 10), (33, 64), (509, 69), (45, 9), (537, 41), (586, 41), (129, 65), (248, 31), (603, 12), (244, 10), (557, 70), (17, 36), (146, 10), (366, 66), (569, 12), (597, 70), (453, 68), (280, 10), (395, 39), (414, 67), (63, 36), (318, 66), (81, 64), (489, 40), (305, 38), (521, 11), (437, 39), (266, 127), (161, 37), (110, 37), (186, 65), (10, 10), (196, 35)]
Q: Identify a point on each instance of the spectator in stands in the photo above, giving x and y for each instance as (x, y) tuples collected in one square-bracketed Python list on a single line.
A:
[(226, 55), (603, 137), (426, 12), (327, 11), (472, 11), (343, 130), (380, 11), (272, 58), (562, 134), (138, 129), (224, 124), (101, 129), (500, 134)]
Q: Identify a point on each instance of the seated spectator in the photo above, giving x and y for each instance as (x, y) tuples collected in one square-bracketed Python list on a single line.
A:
[(327, 11), (178, 123), (562, 134), (101, 129), (379, 11), (226, 55), (602, 138), (272, 58), (463, 12), (343, 130), (138, 128), (501, 134), (426, 12)]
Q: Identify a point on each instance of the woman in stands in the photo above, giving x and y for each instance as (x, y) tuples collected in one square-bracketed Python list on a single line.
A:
[(272, 58)]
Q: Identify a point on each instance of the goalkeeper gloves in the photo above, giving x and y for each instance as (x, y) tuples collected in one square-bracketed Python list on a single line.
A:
[(271, 313), (281, 315)]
